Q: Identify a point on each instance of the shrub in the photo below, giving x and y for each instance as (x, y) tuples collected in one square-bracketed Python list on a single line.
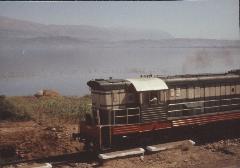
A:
[(9, 111), (6, 109), (70, 109)]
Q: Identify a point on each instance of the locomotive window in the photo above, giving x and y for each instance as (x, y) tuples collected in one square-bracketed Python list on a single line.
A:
[(153, 97), (104, 118), (120, 112), (121, 120), (133, 111), (130, 98), (133, 119), (126, 116)]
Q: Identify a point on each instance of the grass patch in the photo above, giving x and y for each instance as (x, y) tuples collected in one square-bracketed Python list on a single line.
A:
[(61, 108), (10, 110)]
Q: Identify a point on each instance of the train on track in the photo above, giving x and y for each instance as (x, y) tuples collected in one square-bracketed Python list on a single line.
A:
[(133, 107)]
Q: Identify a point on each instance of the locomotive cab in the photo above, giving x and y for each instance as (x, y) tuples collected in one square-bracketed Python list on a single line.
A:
[(119, 105)]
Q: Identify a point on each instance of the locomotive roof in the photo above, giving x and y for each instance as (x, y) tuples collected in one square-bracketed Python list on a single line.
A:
[(148, 84), (108, 84), (226, 78), (141, 85)]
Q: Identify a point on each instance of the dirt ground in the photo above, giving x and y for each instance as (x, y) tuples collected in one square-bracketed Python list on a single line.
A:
[(29, 140), (195, 157)]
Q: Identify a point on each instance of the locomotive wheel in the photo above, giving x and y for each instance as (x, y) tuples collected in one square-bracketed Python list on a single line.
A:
[(89, 145), (86, 146)]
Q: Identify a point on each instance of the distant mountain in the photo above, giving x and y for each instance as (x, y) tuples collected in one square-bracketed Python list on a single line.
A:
[(14, 28), (182, 43), (19, 32)]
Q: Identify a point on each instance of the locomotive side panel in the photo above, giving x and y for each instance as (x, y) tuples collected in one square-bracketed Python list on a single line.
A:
[(238, 89), (202, 99)]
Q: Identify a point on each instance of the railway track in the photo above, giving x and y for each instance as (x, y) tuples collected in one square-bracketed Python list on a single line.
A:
[(203, 135), (79, 157)]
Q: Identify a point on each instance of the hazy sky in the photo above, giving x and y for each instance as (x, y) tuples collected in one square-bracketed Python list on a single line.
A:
[(213, 19)]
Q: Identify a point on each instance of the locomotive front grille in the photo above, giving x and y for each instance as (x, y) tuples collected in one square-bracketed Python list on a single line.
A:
[(157, 113)]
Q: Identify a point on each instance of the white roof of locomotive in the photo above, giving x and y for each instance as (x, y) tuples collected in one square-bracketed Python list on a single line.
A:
[(148, 84)]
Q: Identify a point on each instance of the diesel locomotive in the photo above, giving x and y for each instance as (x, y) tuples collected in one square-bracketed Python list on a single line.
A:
[(132, 107)]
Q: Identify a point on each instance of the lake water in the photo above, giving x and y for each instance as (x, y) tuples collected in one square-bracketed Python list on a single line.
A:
[(67, 70)]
